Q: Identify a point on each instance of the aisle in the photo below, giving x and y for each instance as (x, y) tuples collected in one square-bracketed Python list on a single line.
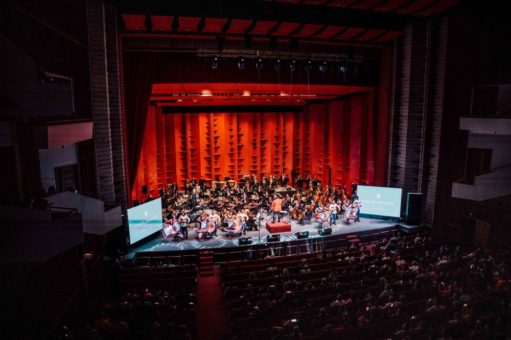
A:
[(211, 314)]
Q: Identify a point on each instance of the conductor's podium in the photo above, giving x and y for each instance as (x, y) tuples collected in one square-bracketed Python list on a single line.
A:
[(278, 227)]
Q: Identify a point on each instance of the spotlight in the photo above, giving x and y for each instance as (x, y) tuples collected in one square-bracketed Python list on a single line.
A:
[(259, 64), (214, 63), (241, 64), (308, 65), (322, 67), (292, 65), (343, 67), (277, 64)]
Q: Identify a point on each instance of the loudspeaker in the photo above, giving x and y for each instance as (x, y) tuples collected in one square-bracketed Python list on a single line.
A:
[(144, 189), (302, 234), (273, 238), (245, 240), (413, 208), (326, 231)]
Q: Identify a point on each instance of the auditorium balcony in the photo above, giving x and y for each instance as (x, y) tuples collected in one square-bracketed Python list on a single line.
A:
[(487, 162), (36, 235), (99, 217)]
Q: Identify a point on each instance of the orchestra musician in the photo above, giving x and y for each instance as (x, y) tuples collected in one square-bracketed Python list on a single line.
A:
[(236, 206), (357, 205), (334, 209), (184, 220)]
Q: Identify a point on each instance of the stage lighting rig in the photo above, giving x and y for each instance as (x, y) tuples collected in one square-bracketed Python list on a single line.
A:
[(296, 56)]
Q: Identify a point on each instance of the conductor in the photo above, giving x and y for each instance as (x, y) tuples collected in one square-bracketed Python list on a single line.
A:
[(276, 207)]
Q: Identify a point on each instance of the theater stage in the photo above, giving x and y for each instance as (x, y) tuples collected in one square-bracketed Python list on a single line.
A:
[(159, 244)]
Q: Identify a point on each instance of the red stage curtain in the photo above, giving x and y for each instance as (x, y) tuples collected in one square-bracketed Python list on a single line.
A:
[(138, 86), (340, 135)]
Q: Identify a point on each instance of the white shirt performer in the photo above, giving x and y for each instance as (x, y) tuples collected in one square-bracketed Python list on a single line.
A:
[(357, 204)]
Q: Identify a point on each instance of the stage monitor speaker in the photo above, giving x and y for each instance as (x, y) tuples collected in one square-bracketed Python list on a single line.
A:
[(413, 208), (326, 231), (273, 238), (245, 240), (302, 234)]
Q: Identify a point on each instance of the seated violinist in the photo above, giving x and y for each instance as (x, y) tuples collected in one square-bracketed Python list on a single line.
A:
[(172, 231), (234, 227), (321, 215)]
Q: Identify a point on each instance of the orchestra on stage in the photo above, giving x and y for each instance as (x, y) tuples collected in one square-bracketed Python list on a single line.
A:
[(231, 208)]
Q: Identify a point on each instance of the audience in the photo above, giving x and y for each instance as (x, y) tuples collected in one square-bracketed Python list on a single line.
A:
[(416, 288), (420, 288)]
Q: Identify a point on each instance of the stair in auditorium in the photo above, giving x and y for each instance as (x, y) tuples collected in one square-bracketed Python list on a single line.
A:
[(206, 263)]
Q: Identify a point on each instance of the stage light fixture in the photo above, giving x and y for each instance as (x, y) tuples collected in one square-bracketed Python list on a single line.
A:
[(308, 65), (323, 66), (259, 64), (276, 64), (214, 63), (343, 67), (241, 64), (292, 65)]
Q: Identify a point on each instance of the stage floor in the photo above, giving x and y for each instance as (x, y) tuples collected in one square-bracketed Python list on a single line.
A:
[(159, 244)]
